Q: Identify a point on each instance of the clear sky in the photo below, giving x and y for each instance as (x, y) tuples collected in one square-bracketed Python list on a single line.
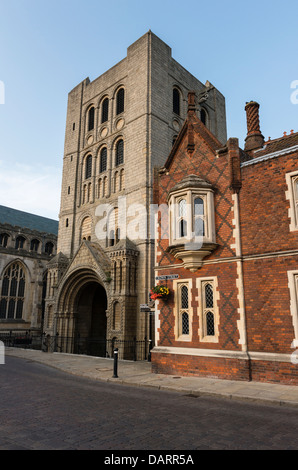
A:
[(248, 50)]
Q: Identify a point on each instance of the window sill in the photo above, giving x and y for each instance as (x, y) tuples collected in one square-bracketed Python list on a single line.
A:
[(192, 258)]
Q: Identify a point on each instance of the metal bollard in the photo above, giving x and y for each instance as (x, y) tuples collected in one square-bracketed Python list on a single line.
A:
[(115, 376)]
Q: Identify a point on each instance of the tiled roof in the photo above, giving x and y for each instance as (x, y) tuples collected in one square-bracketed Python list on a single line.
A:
[(277, 145), (22, 219)]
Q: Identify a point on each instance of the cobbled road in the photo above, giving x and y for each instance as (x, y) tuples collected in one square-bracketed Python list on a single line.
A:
[(44, 409)]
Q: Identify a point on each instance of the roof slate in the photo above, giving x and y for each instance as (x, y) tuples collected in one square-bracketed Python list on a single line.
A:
[(22, 219)]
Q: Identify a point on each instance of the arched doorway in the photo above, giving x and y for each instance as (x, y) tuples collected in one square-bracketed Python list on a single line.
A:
[(91, 320)]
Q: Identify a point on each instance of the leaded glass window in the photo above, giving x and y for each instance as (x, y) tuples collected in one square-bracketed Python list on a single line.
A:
[(13, 292), (183, 309), (182, 222), (208, 309), (199, 216)]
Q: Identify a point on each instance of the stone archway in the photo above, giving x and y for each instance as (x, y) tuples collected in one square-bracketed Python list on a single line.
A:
[(91, 319), (82, 312), (90, 316)]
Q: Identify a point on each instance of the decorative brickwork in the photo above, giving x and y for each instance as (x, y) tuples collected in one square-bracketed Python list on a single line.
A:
[(255, 262)]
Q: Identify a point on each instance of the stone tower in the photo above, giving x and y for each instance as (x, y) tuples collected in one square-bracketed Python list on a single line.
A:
[(119, 128)]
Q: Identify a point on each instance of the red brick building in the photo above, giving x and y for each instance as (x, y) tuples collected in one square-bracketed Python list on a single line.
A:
[(228, 236)]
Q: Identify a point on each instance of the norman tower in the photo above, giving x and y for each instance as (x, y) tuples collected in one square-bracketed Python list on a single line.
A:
[(119, 128)]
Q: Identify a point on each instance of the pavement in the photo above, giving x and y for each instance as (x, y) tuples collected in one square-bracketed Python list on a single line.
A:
[(139, 374)]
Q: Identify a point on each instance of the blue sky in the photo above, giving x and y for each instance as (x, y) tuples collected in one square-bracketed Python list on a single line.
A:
[(248, 50)]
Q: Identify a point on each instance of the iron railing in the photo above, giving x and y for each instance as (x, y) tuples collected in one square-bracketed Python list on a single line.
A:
[(129, 349)]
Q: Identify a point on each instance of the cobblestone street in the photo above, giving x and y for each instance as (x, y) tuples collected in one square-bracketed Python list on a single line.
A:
[(45, 409)]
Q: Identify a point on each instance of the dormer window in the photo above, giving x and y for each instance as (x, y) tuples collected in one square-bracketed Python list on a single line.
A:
[(192, 225)]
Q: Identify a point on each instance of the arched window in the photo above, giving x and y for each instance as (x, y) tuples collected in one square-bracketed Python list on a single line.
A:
[(120, 101), (183, 306), (86, 228), (119, 153), (91, 115), (203, 116), (176, 101), (105, 110), (34, 245), (20, 243), (49, 248), (4, 239), (208, 303), (13, 292), (113, 227), (88, 167), (103, 160)]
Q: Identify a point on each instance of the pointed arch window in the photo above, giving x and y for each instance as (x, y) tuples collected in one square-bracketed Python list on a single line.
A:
[(182, 311), (13, 292), (120, 101), (208, 313)]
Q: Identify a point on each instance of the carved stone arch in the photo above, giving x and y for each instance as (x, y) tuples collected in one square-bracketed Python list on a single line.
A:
[(117, 88), (74, 281), (83, 302)]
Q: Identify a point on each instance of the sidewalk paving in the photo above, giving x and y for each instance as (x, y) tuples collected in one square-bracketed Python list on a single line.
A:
[(139, 374)]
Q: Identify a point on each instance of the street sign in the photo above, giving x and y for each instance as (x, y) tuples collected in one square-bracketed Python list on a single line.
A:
[(168, 277), (145, 308)]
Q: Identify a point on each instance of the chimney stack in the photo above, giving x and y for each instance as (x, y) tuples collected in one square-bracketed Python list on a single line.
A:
[(254, 139), (191, 103)]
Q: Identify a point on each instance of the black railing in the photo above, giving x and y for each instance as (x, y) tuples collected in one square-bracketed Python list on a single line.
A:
[(21, 339), (133, 349)]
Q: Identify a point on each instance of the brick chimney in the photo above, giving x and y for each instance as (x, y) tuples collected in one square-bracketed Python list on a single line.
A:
[(254, 139), (191, 103)]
